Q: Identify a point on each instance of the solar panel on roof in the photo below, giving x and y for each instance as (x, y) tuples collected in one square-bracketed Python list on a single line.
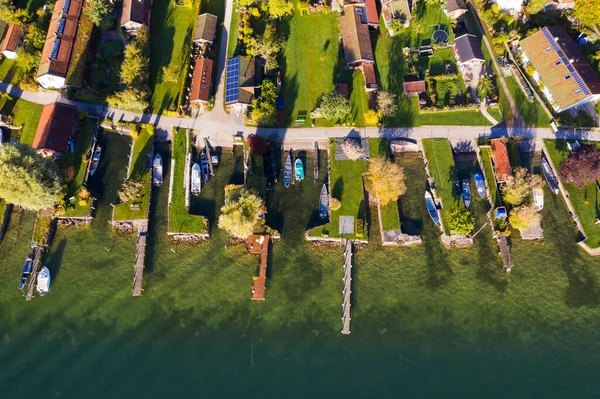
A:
[(61, 26), (55, 48), (232, 80), (66, 6)]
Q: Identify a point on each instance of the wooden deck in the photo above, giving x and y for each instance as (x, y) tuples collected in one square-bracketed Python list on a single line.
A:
[(505, 252), (259, 244), (316, 162), (140, 255), (37, 257), (347, 288)]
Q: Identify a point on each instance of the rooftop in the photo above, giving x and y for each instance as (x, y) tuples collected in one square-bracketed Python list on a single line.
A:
[(501, 161), (413, 84), (243, 75), (468, 48), (355, 37), (202, 80), (453, 5), (206, 28), (12, 38), (55, 125), (136, 11)]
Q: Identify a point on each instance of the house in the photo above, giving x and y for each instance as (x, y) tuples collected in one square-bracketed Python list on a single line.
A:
[(455, 8), (395, 10), (57, 51), (512, 7), (371, 14), (370, 78), (467, 50), (11, 41), (554, 5), (243, 77), (413, 85), (135, 14), (53, 130), (562, 72), (501, 160), (201, 89), (206, 29), (356, 41)]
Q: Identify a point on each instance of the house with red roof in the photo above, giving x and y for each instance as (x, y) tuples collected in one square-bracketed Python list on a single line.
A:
[(201, 89), (135, 14), (12, 40), (53, 130), (501, 160)]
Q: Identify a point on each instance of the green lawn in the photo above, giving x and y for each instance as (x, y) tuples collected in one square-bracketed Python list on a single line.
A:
[(41, 229), (105, 74), (412, 204), (496, 114), (82, 147), (532, 113), (142, 146), (3, 205), (513, 153), (232, 39), (471, 117), (10, 72), (25, 114), (443, 170), (584, 199), (181, 221), (390, 216)]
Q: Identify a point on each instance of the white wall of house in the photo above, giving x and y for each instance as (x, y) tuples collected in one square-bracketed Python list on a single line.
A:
[(12, 55), (508, 5), (49, 81)]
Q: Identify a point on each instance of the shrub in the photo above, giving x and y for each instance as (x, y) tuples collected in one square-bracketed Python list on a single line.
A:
[(352, 149), (385, 180), (334, 204), (519, 185), (522, 217), (581, 167), (461, 221), (131, 189)]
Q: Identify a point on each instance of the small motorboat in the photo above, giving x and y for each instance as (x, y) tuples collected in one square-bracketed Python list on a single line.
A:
[(287, 171), (26, 272), (157, 170), (196, 179), (538, 199), (549, 175), (573, 146), (466, 193), (432, 208), (299, 169), (204, 165), (95, 160), (43, 281), (324, 203), (480, 184)]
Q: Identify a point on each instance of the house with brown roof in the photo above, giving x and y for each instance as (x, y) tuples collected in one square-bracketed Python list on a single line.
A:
[(413, 85), (201, 89), (371, 13), (356, 40), (501, 160), (12, 40), (370, 78), (206, 29), (53, 130), (243, 78), (135, 14), (455, 8), (562, 72), (398, 10), (57, 51)]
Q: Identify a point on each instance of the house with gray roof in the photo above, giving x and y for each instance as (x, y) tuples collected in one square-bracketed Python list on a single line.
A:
[(206, 29)]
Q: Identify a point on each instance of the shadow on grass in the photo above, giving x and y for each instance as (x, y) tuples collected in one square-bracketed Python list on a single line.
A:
[(54, 261)]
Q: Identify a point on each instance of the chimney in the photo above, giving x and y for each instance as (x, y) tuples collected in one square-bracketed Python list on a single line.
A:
[(556, 39)]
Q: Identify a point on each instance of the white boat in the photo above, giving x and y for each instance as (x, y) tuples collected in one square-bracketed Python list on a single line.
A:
[(573, 146), (549, 175), (432, 208), (1, 137), (538, 199), (43, 281), (196, 185), (157, 170)]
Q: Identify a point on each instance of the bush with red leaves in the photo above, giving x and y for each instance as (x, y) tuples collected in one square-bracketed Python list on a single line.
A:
[(582, 167), (258, 144)]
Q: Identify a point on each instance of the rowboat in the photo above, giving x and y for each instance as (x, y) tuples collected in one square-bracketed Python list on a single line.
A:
[(431, 208), (324, 203), (538, 199), (204, 165), (25, 272), (157, 170), (299, 168), (480, 184), (196, 185), (95, 160), (287, 171), (466, 193), (549, 175), (1, 137), (43, 281)]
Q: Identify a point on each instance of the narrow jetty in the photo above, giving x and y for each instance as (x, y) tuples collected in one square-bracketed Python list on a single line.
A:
[(259, 244), (208, 157), (37, 257), (347, 287), (140, 255), (505, 252), (316, 161)]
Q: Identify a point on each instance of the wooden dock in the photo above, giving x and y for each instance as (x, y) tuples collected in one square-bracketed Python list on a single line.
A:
[(316, 161), (140, 255), (505, 252), (347, 288), (37, 257), (208, 158), (259, 244)]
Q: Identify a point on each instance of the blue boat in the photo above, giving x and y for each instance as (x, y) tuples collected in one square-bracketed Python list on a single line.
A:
[(480, 184), (287, 171), (95, 160), (25, 272), (431, 208), (466, 193), (299, 168), (204, 165), (324, 203)]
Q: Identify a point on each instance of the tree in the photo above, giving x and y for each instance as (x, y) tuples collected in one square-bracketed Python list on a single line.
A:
[(131, 99), (27, 179), (522, 217), (258, 144), (461, 221), (27, 61), (535, 6), (35, 38), (170, 73), (334, 204), (588, 12), (280, 8), (352, 149), (582, 166), (333, 106), (131, 189), (519, 185), (99, 14), (238, 217), (385, 180), (134, 69), (386, 102), (264, 111), (266, 46)]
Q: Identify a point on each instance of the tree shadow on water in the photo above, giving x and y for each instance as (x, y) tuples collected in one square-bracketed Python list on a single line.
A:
[(439, 270)]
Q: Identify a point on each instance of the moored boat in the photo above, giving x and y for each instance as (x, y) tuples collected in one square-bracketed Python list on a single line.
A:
[(299, 169), (466, 193), (287, 171), (538, 199), (157, 170), (95, 160), (43, 281), (1, 137), (431, 208), (204, 165), (324, 203), (549, 175), (25, 272), (196, 183), (480, 184)]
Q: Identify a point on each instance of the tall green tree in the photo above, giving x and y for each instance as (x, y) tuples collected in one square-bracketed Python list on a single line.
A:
[(280, 8), (99, 13), (588, 12), (238, 217), (134, 69), (461, 221), (131, 99), (385, 180), (27, 179), (519, 186), (333, 106), (264, 109)]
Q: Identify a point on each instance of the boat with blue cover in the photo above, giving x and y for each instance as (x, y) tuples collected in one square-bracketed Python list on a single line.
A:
[(324, 203), (25, 272), (466, 193), (299, 169), (157, 170), (431, 208), (480, 184), (204, 165), (287, 171), (95, 160)]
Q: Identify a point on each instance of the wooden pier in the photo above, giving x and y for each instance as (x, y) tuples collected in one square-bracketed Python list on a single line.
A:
[(316, 161), (505, 252), (347, 288), (140, 255), (208, 158), (259, 244), (37, 257)]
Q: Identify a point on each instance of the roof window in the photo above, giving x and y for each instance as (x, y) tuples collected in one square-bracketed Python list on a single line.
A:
[(567, 77), (557, 63), (577, 91), (548, 48)]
